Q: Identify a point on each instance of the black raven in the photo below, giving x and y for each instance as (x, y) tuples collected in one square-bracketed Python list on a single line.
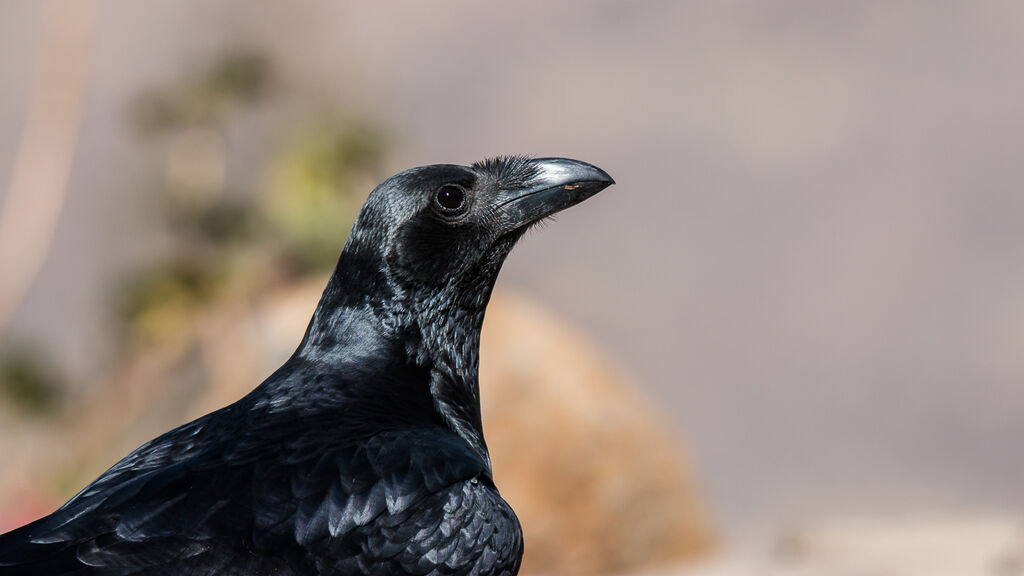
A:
[(364, 453)]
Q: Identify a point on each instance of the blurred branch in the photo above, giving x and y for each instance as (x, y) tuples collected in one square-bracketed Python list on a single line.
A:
[(31, 208)]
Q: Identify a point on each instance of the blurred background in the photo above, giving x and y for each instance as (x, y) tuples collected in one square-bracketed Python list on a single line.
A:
[(790, 338)]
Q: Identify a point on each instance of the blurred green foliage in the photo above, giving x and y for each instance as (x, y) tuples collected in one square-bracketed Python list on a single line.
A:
[(240, 77), (313, 197), (157, 302), (232, 243), (225, 222), (27, 382)]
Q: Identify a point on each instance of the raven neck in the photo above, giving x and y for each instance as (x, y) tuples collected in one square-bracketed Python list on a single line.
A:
[(444, 332), (363, 317)]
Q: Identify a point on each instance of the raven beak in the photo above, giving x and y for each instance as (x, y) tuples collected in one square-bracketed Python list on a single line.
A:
[(559, 183)]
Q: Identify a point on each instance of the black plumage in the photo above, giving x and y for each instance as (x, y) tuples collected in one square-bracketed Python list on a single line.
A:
[(364, 453)]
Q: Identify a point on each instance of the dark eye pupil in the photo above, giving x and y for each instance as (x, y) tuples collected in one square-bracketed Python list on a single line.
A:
[(450, 197)]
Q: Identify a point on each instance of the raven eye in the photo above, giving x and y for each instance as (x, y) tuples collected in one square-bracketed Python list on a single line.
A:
[(450, 198)]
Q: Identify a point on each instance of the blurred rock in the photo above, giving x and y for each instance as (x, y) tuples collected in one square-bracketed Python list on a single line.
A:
[(596, 477)]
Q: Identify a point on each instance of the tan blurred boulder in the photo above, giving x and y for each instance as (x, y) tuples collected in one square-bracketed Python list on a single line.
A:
[(597, 478)]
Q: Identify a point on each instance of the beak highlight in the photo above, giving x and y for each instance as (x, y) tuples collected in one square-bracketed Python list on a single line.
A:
[(559, 183)]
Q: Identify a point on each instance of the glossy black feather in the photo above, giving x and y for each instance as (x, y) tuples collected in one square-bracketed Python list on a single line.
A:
[(364, 453)]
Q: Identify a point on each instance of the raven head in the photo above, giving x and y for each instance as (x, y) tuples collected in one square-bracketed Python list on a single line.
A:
[(421, 261), (451, 227), (435, 237)]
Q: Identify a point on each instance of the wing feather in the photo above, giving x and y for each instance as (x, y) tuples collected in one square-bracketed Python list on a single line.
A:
[(220, 505)]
